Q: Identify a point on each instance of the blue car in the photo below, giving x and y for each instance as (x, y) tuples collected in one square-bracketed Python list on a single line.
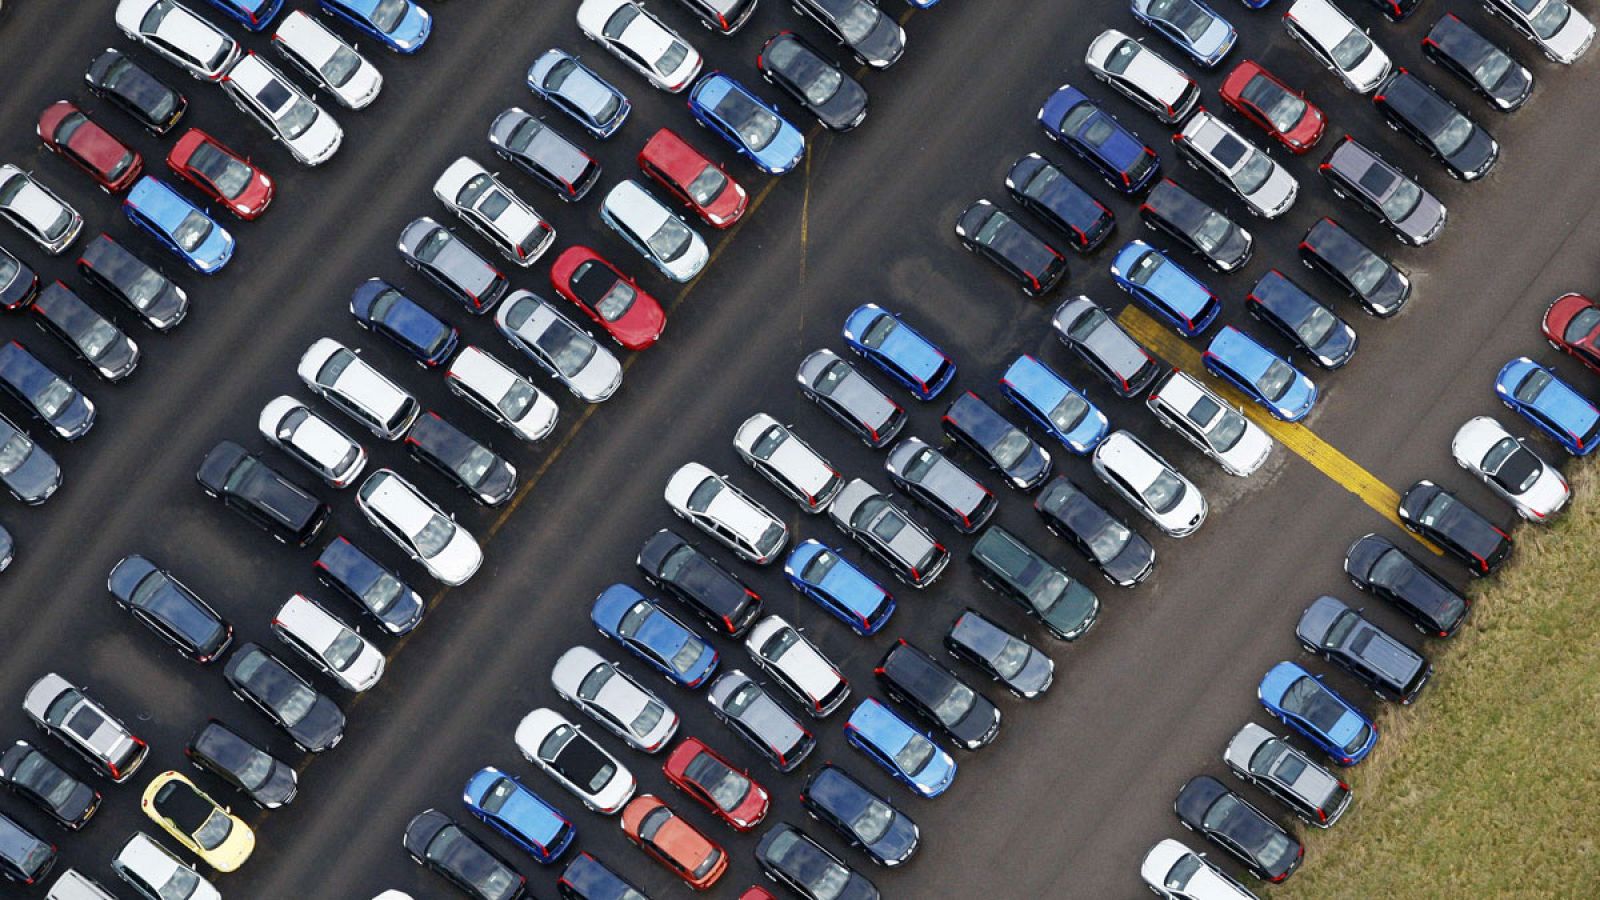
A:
[(1310, 707), (898, 350), (505, 805), (908, 754), (576, 90), (400, 25), (1165, 288), (1265, 377), (848, 593), (654, 635), (1193, 26), (379, 306), (1550, 403), (1058, 407), (183, 227), (255, 15), (1096, 136), (751, 124)]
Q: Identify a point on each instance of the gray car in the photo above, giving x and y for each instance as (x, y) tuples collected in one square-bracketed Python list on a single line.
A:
[(939, 484), (431, 249), (576, 90), (541, 151), (1110, 351), (1397, 200), (1344, 636), (36, 211), (850, 397), (1274, 765), (561, 348), (889, 533), (30, 473), (748, 709), (611, 697)]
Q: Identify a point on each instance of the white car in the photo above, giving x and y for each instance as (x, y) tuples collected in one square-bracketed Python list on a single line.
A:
[(1142, 75), (1338, 43), (1175, 872), (520, 234), (411, 520), (577, 762), (262, 92), (1205, 420), (1563, 33), (1150, 483), (642, 41), (327, 60), (180, 36), (156, 873), (1510, 468), (534, 326), (659, 234), (1210, 145), (362, 392), (312, 441), (715, 506), (797, 666), (328, 643), (37, 211), (501, 394), (789, 463), (611, 697), (74, 885)]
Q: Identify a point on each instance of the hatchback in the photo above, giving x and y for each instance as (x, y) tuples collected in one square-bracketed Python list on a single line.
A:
[(1004, 447), (1213, 147), (1283, 112), (1397, 200), (1561, 32), (699, 582), (182, 227), (262, 93), (1571, 324), (1062, 410), (131, 87), (1260, 374), (312, 441), (1049, 193), (797, 666), (1302, 320), (576, 90), (446, 849), (400, 25), (1009, 244), (907, 754), (47, 395), (1199, 228), (379, 306), (1552, 405), (848, 593), (106, 264), (448, 262), (328, 644), (674, 843), (67, 130), (378, 590), (870, 34), (1206, 807), (544, 153), (788, 462), (483, 202), (1004, 657), (1380, 287), (713, 782), (469, 464), (1109, 350), (935, 693), (1165, 288), (36, 211), (1339, 44), (856, 813), (339, 376), (24, 856), (218, 749), (221, 174), (850, 397), (792, 858), (750, 711), (1125, 162), (497, 391), (1190, 25), (813, 80), (1174, 872), (934, 481), (656, 232), (28, 471), (694, 179), (420, 528), (1142, 75), (752, 125), (1150, 483)]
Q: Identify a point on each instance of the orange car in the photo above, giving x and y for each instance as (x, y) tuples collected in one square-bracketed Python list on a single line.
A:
[(673, 842)]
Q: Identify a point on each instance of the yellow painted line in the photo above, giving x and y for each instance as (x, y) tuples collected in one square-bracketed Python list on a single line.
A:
[(1301, 441)]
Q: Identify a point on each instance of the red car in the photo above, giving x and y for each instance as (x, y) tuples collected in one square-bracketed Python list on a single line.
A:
[(1572, 324), (65, 129), (1285, 113), (223, 175), (729, 793), (756, 893), (697, 181), (613, 300), (673, 842)]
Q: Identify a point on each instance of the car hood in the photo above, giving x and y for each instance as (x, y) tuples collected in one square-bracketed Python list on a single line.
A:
[(1573, 39), (458, 560), (321, 727), (1478, 155)]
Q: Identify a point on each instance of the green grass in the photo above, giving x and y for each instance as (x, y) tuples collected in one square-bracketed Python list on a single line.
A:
[(1489, 786)]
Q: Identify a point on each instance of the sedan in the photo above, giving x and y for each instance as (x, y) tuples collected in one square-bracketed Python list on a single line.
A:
[(1533, 487), (448, 262), (1165, 288), (418, 527), (695, 180), (1185, 405), (654, 635), (1197, 226), (47, 395), (327, 60), (713, 593), (1323, 717), (996, 236), (521, 816), (1098, 340), (1340, 45), (884, 339), (69, 715), (1484, 66), (68, 131), (797, 666), (477, 196), (643, 42), (656, 232), (1124, 161), (221, 174), (128, 85), (1260, 374), (1571, 324), (36, 211), (534, 326), (575, 760), (1375, 564), (781, 457), (610, 696), (28, 471), (813, 80), (203, 826), (1347, 638), (28, 772), (1380, 287), (856, 813), (1005, 563), (1302, 320), (1047, 192), (851, 398), (1560, 31), (1142, 75), (1121, 554), (940, 485), (576, 90), (748, 709), (914, 678), (168, 608), (443, 847), (712, 781), (670, 840), (792, 858), (182, 227), (379, 306), (218, 749), (1191, 26), (179, 36), (1156, 489), (839, 587), (310, 719), (1004, 447), (91, 336), (1055, 405), (1551, 404), (1206, 807), (908, 755), (1273, 764), (714, 505), (752, 125), (898, 541), (1440, 516), (378, 590), (1280, 110), (1213, 147), (1412, 107), (1397, 200), (261, 494), (470, 465), (1174, 872), (870, 34), (263, 94), (544, 153)]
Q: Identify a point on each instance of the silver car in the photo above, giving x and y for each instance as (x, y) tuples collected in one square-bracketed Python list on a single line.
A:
[(1150, 483), (1174, 872), (797, 666), (327, 60), (1213, 147), (715, 506), (1142, 75), (1510, 468), (180, 36), (748, 709), (534, 326), (362, 392), (1205, 420), (157, 874), (1338, 43), (520, 234), (634, 35), (419, 527), (659, 234), (1274, 765), (66, 713), (1563, 33), (312, 441), (789, 463), (501, 394), (262, 92), (36, 211), (328, 643), (877, 523), (939, 484), (611, 697), (579, 764)]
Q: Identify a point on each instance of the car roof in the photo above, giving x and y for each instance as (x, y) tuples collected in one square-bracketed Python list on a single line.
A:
[(399, 502)]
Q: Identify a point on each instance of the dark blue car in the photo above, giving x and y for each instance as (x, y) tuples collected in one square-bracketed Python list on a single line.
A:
[(860, 816), (1047, 192), (47, 395), (897, 349), (1310, 707), (1312, 328), (1058, 407), (1165, 288), (654, 635), (375, 588), (1551, 404), (587, 878), (255, 15), (848, 593), (181, 226), (379, 306), (1095, 135), (1262, 375), (502, 802), (752, 125), (400, 25), (904, 752)]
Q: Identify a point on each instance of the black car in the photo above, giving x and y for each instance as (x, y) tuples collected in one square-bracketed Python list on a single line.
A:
[(812, 80), (917, 680), (1395, 10), (312, 720), (169, 609), (30, 473), (1207, 807), (90, 335), (1380, 287), (866, 820), (1392, 197), (1120, 553), (26, 770), (1049, 193), (1199, 227), (47, 395), (129, 85), (1488, 69), (1442, 517), (259, 493), (544, 153), (24, 856), (1003, 446), (1302, 320), (377, 589), (1011, 246), (7, 548), (1343, 636), (790, 857), (699, 582), (1412, 107), (1008, 565), (1377, 565), (269, 782), (448, 262), (867, 31), (1000, 654), (587, 878), (1127, 367), (379, 306), (109, 266), (445, 848), (472, 466), (18, 283)]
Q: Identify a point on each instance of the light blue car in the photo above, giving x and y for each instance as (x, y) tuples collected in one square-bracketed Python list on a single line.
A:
[(1262, 375), (1551, 404), (1165, 288), (654, 635), (751, 124), (1058, 407), (183, 227), (1191, 25), (1310, 707), (400, 25), (899, 350), (505, 805), (909, 755), (848, 593), (255, 15), (576, 90)]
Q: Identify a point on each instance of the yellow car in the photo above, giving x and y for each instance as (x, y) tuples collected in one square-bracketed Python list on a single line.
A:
[(200, 823)]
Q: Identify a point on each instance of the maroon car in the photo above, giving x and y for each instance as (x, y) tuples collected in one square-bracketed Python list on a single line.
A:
[(1572, 325), (223, 175), (66, 129)]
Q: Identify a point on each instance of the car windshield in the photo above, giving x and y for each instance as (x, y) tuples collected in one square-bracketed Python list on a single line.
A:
[(647, 718), (1283, 109), (702, 495), (914, 755), (226, 174), (819, 567), (1184, 15), (252, 771), (192, 231), (383, 593), (956, 702), (1109, 539), (1087, 325), (1341, 628), (1121, 57), (387, 14), (873, 822), (431, 245), (54, 398), (1184, 869), (1453, 135), (97, 337), (1276, 380), (434, 536), (1227, 430), (1351, 50), (1533, 385), (991, 229), (1069, 412), (726, 787), (857, 21), (1254, 173), (824, 82), (476, 464), (1011, 658), (670, 241), (297, 119), (8, 268), (707, 185), (341, 66), (1547, 22), (1579, 328), (1163, 492), (1492, 67), (755, 126), (1009, 449), (1316, 326), (672, 57), (182, 883), (1406, 197), (567, 350), (1367, 273), (343, 651), (1145, 267), (14, 451), (214, 830), (1213, 229)]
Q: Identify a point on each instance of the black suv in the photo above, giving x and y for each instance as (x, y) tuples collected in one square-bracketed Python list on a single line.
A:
[(1001, 445), (1199, 227), (1489, 70), (914, 678), (1412, 107), (835, 798), (1008, 244), (1343, 636), (1011, 567), (169, 609), (1380, 287), (472, 466), (1044, 190), (1120, 553), (223, 752), (699, 582), (1377, 565), (259, 493)]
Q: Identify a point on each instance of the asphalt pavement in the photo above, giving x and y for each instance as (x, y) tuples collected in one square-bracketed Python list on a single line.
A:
[(1079, 783)]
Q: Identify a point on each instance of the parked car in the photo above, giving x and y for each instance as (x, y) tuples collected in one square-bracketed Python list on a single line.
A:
[(108, 265), (168, 608), (1510, 468), (497, 391), (870, 34), (91, 336), (70, 716), (1375, 564), (1344, 636), (448, 262), (713, 782), (716, 595), (1009, 244), (1099, 341), (1142, 75), (722, 16), (1380, 287), (1007, 564), (694, 179), (1441, 517), (1551, 404), (255, 15), (654, 635), (1185, 405), (262, 494), (218, 749), (483, 202), (1273, 764), (587, 878), (1485, 67), (656, 232), (931, 479), (908, 755), (67, 131), (544, 153), (1199, 228), (856, 813), (1206, 807), (221, 174), (716, 506), (327, 60), (839, 587), (378, 590), (1049, 193), (203, 826), (1165, 288), (670, 840), (1121, 554), (1148, 482), (401, 26), (812, 80), (1412, 107), (1340, 45), (1004, 657), (441, 846), (36, 211), (1125, 162), (262, 93), (309, 718), (31, 774), (797, 666), (610, 696), (576, 90), (1004, 447), (466, 462), (1324, 718), (749, 710), (1283, 112), (1260, 374), (1302, 320), (179, 35), (502, 802), (156, 873), (130, 87), (18, 282), (339, 376), (793, 859), (1562, 33), (407, 517), (788, 462), (534, 326), (379, 306), (1054, 404), (850, 397), (574, 760), (1190, 25), (752, 125), (24, 856), (1174, 872), (633, 34), (914, 678), (898, 541), (28, 471), (1213, 147), (47, 395), (886, 341), (328, 644), (1571, 324), (1398, 201), (180, 226)]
